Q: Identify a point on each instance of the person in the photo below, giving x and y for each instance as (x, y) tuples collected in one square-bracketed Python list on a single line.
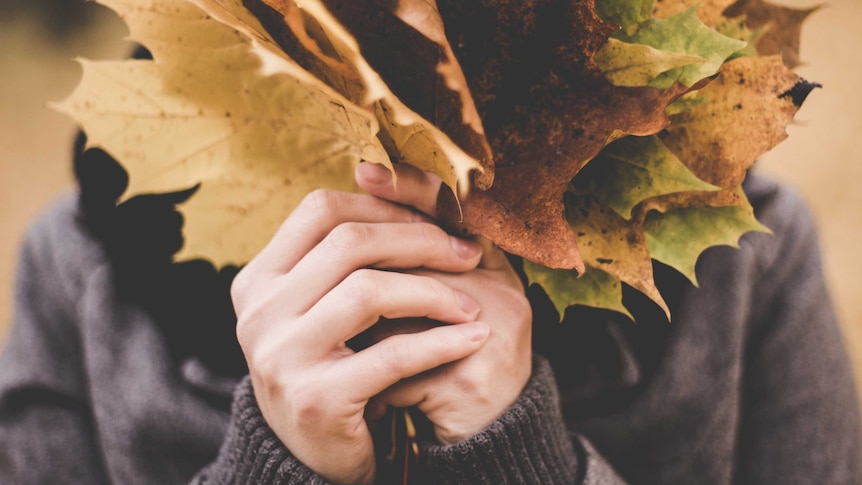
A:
[(121, 364)]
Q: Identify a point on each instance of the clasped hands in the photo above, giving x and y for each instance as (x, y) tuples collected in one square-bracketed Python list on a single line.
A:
[(339, 264)]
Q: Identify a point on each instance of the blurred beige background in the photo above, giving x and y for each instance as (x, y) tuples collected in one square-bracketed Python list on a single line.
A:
[(821, 158)]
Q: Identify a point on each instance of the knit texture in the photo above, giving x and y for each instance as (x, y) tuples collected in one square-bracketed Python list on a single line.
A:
[(251, 452)]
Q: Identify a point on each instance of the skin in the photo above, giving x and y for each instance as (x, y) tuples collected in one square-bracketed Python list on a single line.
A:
[(454, 340)]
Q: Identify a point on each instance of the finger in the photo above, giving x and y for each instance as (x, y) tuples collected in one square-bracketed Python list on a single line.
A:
[(315, 217), (366, 295), (351, 246), (414, 188), (371, 371)]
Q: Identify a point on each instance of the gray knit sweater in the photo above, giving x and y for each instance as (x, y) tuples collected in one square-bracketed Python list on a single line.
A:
[(752, 384)]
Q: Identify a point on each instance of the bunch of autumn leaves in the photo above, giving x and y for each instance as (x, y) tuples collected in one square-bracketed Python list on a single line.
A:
[(587, 136)]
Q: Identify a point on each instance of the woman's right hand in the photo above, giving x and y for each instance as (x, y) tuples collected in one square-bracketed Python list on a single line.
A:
[(322, 280)]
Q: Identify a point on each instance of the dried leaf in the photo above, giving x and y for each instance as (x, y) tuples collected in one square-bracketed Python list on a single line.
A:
[(204, 113), (748, 109)]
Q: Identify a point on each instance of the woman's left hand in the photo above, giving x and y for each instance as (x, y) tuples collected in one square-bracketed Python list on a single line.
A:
[(464, 397)]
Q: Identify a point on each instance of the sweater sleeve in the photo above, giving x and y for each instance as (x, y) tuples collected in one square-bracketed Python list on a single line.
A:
[(46, 426), (251, 452), (800, 412), (529, 443)]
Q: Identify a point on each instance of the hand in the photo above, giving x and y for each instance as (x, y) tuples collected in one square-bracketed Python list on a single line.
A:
[(322, 280), (464, 397)]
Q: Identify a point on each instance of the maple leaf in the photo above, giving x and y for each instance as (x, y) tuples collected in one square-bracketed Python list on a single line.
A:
[(316, 37), (684, 33), (626, 64), (633, 169), (548, 110), (749, 107), (595, 288), (782, 26), (255, 143), (615, 245), (678, 237)]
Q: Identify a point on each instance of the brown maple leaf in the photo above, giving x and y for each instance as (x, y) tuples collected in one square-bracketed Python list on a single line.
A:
[(783, 26), (750, 104), (420, 67), (548, 110)]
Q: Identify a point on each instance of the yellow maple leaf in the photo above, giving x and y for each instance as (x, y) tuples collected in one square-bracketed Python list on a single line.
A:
[(205, 112)]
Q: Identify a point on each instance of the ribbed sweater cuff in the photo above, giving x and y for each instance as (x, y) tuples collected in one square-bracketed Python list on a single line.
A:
[(527, 444), (251, 452)]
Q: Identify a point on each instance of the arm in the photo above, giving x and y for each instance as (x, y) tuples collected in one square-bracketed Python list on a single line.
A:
[(46, 428), (800, 414)]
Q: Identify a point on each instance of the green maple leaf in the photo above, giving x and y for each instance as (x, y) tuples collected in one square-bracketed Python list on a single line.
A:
[(626, 64), (595, 288), (634, 169), (678, 237), (684, 33)]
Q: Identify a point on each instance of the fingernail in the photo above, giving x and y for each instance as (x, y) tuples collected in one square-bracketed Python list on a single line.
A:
[(466, 303), (374, 173), (474, 331), (465, 249)]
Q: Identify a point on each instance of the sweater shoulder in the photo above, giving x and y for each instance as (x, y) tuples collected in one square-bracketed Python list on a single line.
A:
[(794, 238), (59, 249)]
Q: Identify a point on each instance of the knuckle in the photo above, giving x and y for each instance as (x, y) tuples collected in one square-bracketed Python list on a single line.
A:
[(307, 400), (432, 235), (471, 383), (265, 369), (394, 357), (362, 287), (346, 237), (321, 201), (442, 295)]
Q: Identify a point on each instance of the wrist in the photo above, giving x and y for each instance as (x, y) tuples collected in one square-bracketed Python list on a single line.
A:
[(528, 443)]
